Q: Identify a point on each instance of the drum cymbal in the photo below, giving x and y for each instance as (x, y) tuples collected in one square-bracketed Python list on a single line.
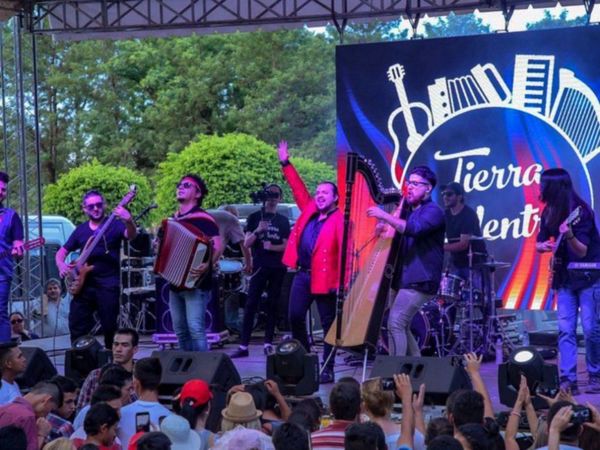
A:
[(478, 238), (492, 265)]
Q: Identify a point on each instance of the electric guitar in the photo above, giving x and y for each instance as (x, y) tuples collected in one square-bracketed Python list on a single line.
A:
[(29, 245), (75, 277), (556, 262)]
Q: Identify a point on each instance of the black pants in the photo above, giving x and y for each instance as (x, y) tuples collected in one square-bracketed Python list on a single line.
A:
[(300, 301), (104, 300), (269, 279)]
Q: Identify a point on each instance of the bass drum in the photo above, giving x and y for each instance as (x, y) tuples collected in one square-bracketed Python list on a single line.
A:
[(432, 327)]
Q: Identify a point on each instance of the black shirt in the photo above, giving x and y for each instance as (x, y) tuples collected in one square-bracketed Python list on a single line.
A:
[(586, 232), (422, 253), (277, 231), (465, 222), (105, 257)]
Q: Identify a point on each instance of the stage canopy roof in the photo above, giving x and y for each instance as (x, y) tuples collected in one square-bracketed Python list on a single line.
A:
[(93, 19)]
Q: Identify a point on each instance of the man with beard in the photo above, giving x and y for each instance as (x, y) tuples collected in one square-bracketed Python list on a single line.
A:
[(314, 248), (101, 289), (421, 255)]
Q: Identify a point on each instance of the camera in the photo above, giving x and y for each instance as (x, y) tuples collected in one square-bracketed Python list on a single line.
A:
[(580, 415), (264, 194), (387, 384), (546, 391)]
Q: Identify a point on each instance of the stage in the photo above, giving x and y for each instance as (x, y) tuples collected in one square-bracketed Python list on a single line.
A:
[(254, 366)]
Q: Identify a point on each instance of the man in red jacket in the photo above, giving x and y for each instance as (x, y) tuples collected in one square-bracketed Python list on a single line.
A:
[(314, 249)]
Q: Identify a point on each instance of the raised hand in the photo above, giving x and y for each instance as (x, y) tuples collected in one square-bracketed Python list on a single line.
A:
[(282, 151)]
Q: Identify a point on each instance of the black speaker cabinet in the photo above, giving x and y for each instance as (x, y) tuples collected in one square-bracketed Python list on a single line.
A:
[(39, 368), (441, 376)]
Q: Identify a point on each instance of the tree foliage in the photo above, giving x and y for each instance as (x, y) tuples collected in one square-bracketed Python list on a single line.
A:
[(456, 25), (64, 196), (232, 166), (560, 20)]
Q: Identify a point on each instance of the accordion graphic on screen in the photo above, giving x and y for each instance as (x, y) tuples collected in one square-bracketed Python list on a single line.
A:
[(182, 247)]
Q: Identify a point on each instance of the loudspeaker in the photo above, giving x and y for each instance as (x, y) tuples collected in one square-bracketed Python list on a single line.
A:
[(215, 368), (441, 376), (39, 368)]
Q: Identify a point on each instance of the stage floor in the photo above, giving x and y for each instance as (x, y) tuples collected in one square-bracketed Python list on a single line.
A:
[(255, 366)]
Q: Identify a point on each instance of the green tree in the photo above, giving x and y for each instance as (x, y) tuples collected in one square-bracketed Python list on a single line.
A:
[(561, 20), (64, 196), (232, 166), (456, 25), (371, 31)]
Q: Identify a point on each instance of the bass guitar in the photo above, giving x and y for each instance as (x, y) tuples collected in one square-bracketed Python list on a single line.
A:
[(75, 278), (555, 261)]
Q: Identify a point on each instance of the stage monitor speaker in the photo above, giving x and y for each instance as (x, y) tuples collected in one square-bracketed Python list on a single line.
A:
[(215, 368), (39, 368), (441, 376)]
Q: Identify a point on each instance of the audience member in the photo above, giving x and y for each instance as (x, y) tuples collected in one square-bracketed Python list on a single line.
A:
[(403, 389), (240, 412), (60, 418), (269, 400), (378, 405), (62, 443), (194, 405), (241, 438), (125, 346), (111, 375), (365, 436), (100, 426), (464, 406), (12, 363), (562, 434), (53, 312), (444, 442), (17, 328), (179, 432), (29, 413), (344, 403), (290, 436), (473, 368), (512, 427), (440, 426), (146, 379), (106, 394), (13, 437), (307, 414), (476, 436), (154, 440)]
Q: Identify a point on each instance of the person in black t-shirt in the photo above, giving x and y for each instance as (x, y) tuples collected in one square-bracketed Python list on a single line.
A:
[(101, 288), (580, 242), (188, 306), (267, 233)]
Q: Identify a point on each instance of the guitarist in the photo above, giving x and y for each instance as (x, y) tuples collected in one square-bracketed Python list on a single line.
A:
[(101, 288), (11, 237), (578, 241)]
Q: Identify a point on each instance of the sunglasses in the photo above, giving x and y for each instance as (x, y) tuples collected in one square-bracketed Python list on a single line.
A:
[(16, 321), (448, 194), (93, 206), (187, 185)]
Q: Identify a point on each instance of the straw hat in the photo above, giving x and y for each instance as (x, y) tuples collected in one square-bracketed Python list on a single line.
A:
[(241, 408)]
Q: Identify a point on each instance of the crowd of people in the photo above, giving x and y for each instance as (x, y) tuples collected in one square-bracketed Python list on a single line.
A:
[(117, 407)]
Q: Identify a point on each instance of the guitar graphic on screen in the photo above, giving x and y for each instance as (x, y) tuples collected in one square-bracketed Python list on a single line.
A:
[(396, 75)]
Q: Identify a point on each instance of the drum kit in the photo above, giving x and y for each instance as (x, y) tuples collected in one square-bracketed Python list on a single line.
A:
[(462, 317)]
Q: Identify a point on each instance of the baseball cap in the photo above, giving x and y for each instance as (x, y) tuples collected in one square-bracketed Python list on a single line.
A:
[(197, 390), (453, 186)]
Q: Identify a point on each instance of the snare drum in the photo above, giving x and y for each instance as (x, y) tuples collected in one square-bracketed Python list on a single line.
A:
[(231, 274), (451, 286)]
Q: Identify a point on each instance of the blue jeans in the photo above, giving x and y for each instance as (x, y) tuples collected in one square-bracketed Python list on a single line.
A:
[(587, 301), (188, 313), (4, 325)]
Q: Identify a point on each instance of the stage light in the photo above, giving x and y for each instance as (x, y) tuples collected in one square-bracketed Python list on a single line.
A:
[(295, 371), (85, 355), (526, 361)]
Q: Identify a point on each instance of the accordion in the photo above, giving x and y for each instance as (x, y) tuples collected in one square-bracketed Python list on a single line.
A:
[(182, 247)]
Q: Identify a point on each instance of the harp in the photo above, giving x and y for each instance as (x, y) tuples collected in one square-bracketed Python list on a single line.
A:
[(368, 260)]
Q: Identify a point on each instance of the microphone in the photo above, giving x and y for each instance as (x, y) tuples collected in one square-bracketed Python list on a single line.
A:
[(145, 211)]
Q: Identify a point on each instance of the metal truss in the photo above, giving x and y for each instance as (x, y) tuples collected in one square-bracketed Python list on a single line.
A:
[(117, 19), (21, 151)]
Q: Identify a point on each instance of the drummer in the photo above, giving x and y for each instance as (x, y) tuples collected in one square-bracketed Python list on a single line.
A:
[(462, 231)]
